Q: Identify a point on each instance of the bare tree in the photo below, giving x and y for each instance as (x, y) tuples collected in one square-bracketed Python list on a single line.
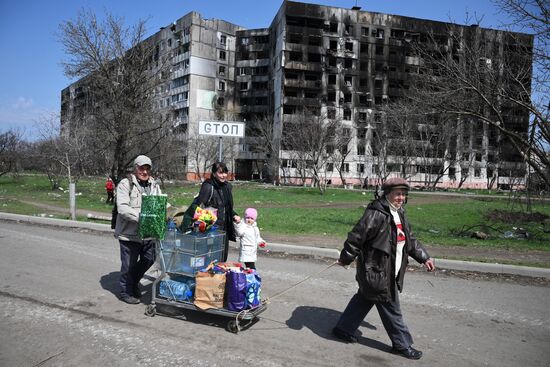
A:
[(261, 135), (342, 139), (10, 143), (307, 137), (115, 98)]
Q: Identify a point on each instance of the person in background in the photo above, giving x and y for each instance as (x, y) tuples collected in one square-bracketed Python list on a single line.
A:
[(110, 188), (249, 236), (216, 192), (136, 255), (382, 241)]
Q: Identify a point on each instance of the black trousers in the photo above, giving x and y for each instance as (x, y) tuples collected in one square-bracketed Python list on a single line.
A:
[(390, 314), (135, 259)]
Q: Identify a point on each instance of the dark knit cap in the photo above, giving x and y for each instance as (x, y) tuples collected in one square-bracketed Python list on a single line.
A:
[(395, 183)]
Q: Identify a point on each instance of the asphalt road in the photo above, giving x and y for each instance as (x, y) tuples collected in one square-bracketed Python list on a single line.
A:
[(57, 292)]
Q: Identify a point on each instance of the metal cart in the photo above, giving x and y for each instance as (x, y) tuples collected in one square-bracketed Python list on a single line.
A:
[(181, 256)]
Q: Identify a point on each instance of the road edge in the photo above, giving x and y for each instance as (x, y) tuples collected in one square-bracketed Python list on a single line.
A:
[(301, 250)]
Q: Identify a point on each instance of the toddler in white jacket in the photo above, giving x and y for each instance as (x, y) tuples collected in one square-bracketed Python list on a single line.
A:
[(248, 233)]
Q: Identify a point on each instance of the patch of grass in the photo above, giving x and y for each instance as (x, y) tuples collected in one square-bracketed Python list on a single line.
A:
[(301, 211)]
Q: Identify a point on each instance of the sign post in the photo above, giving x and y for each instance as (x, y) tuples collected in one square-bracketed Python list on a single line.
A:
[(230, 129)]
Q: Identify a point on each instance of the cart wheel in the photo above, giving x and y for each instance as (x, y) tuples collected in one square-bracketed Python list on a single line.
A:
[(150, 310), (233, 327)]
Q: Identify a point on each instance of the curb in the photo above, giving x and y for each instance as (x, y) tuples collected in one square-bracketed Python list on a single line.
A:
[(304, 250)]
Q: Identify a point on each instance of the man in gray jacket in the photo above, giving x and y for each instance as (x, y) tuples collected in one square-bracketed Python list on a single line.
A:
[(382, 241), (136, 255)]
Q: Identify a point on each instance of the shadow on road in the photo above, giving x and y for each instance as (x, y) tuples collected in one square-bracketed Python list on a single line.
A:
[(110, 283), (321, 321)]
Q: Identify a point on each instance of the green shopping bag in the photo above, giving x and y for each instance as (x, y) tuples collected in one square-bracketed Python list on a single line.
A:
[(152, 219)]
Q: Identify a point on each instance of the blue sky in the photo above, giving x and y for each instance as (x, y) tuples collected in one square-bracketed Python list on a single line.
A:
[(31, 78)]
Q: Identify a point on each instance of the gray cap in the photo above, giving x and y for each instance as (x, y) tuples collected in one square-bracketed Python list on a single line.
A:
[(142, 160)]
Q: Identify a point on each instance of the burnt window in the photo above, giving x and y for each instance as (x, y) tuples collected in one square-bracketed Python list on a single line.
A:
[(295, 56), (348, 80), (331, 79), (295, 38), (314, 57)]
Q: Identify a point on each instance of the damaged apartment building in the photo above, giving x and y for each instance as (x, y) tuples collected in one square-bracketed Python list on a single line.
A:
[(334, 62)]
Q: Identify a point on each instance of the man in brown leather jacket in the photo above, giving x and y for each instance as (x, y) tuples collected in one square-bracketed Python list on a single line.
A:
[(382, 241)]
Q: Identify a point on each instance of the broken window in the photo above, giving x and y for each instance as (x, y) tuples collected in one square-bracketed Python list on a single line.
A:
[(295, 38), (361, 166), (222, 55), (333, 27), (364, 65), (243, 86), (333, 45), (348, 80), (365, 31), (221, 85), (347, 114), (291, 92), (291, 76), (295, 56), (315, 41), (364, 48), (223, 39), (377, 83), (221, 101), (379, 50), (221, 70), (332, 61), (348, 63), (331, 79), (244, 41), (314, 57), (349, 29), (347, 97), (349, 46), (331, 113)]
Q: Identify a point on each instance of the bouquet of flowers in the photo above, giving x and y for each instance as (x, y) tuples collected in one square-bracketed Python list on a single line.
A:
[(204, 219)]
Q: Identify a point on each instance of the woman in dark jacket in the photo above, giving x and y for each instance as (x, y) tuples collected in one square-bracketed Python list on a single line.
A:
[(216, 193), (381, 241)]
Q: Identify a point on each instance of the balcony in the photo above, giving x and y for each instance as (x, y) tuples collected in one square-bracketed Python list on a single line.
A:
[(180, 104), (306, 66), (180, 121), (180, 72), (180, 57), (178, 90)]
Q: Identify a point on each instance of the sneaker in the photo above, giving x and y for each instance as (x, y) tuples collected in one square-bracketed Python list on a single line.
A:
[(342, 335), (129, 299)]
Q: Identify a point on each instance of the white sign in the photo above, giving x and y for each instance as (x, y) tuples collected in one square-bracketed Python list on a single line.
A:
[(222, 128)]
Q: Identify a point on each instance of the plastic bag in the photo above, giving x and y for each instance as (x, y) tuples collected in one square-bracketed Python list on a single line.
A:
[(152, 219)]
